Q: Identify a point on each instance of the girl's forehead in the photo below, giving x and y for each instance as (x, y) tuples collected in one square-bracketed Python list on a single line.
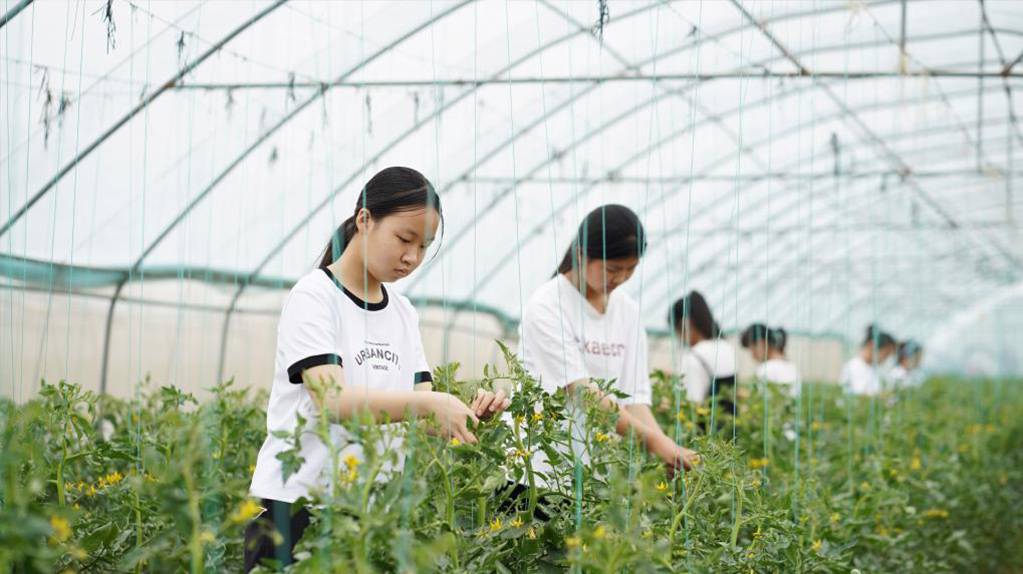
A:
[(417, 220)]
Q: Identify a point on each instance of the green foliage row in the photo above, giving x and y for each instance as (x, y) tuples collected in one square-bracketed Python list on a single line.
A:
[(929, 479)]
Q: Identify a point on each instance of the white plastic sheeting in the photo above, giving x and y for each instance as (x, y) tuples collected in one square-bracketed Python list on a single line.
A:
[(819, 165)]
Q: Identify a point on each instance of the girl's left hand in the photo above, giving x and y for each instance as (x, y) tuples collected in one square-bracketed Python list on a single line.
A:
[(488, 404)]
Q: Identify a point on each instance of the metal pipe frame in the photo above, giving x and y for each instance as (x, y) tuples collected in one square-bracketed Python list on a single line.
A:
[(149, 99), (849, 114), (769, 139), (10, 14)]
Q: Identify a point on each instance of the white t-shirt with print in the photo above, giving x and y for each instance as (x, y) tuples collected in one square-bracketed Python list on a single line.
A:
[(859, 377), (563, 339), (709, 357), (377, 344), (780, 372)]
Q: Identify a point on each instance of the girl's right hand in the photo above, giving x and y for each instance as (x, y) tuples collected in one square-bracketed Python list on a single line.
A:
[(451, 415)]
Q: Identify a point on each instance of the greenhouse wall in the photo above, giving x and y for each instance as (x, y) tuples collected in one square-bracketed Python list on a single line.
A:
[(61, 336)]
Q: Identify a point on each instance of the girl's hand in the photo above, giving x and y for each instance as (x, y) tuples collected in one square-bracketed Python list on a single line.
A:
[(674, 456), (451, 414), (488, 405), (690, 458)]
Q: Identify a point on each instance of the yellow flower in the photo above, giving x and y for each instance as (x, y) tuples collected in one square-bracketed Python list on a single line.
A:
[(351, 461), (648, 533), (817, 545), (252, 468), (573, 542), (915, 464), (682, 415), (816, 425), (702, 411), (520, 420), (455, 441), (537, 417), (246, 511), (756, 463), (690, 425), (206, 536), (835, 517), (517, 523), (662, 486), (864, 485), (61, 528), (531, 533), (495, 525), (600, 532), (935, 513), (601, 437)]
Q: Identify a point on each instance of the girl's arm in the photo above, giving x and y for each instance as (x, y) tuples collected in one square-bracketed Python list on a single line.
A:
[(344, 402), (486, 405), (642, 414)]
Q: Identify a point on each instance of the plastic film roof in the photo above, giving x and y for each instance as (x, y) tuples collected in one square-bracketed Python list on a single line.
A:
[(819, 165)]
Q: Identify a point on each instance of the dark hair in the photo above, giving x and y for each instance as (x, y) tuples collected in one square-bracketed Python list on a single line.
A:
[(392, 190), (608, 232), (776, 338), (908, 348), (694, 307), (875, 335)]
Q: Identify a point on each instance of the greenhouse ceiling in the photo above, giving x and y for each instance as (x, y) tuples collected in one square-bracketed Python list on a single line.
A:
[(815, 164)]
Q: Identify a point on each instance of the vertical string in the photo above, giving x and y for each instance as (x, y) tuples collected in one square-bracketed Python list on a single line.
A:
[(40, 370), (74, 206)]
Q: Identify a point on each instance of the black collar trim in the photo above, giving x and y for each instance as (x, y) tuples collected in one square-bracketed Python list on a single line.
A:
[(355, 299)]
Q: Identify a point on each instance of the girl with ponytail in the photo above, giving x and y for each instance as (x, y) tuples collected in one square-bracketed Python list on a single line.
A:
[(767, 346), (341, 325), (708, 364), (579, 327)]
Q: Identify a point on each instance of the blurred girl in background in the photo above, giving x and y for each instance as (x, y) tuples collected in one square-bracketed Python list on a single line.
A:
[(767, 346), (708, 365), (906, 372), (860, 373)]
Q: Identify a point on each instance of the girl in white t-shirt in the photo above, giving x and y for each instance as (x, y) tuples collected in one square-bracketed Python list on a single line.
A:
[(340, 324), (578, 327), (859, 374), (767, 346), (708, 365), (906, 372)]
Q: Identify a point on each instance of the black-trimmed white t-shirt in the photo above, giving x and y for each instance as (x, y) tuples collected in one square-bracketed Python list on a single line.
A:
[(378, 345)]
